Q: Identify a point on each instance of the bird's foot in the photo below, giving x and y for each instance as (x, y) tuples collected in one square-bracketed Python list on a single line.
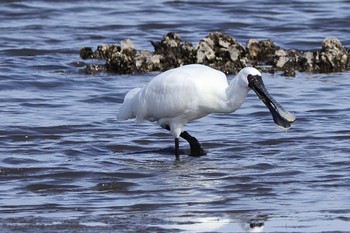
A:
[(197, 150), (198, 153)]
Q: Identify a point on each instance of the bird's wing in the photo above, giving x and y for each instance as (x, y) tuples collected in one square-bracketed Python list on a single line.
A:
[(181, 91)]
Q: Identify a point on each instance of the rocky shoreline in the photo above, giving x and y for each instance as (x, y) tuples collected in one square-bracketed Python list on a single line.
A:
[(219, 51)]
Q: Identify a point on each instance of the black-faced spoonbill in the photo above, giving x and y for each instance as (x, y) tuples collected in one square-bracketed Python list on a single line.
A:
[(190, 92)]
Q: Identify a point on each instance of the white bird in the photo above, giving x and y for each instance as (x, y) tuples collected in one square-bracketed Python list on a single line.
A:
[(190, 92)]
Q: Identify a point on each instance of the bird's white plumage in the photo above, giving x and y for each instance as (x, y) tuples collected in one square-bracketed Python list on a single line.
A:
[(183, 94)]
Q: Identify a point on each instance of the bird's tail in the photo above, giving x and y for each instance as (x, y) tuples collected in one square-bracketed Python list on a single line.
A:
[(127, 111)]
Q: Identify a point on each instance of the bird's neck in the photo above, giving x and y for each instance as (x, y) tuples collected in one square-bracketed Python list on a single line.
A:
[(236, 93)]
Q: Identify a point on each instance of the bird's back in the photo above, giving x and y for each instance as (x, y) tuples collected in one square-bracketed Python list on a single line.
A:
[(185, 91)]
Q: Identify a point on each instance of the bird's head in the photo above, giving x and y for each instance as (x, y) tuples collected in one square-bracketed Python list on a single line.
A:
[(281, 117)]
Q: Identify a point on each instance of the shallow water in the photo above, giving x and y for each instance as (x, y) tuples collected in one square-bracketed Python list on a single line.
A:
[(67, 164)]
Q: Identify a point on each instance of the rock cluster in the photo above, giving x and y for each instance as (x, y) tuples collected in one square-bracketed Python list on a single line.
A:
[(219, 51)]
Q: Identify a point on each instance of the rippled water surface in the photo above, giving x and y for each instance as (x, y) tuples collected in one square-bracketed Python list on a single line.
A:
[(67, 164)]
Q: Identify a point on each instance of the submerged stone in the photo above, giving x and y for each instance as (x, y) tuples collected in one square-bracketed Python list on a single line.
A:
[(173, 52), (222, 52), (333, 56), (219, 51)]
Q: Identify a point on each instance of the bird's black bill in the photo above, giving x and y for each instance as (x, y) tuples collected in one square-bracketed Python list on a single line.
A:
[(281, 117)]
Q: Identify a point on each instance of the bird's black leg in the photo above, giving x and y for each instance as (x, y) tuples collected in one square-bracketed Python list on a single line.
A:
[(177, 149), (196, 147)]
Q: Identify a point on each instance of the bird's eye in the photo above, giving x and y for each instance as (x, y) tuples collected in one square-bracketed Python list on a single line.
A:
[(250, 77)]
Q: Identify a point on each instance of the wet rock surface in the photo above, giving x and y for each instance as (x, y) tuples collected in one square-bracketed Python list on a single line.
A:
[(219, 51)]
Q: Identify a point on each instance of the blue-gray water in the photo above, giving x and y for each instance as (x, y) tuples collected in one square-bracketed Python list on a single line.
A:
[(67, 164)]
